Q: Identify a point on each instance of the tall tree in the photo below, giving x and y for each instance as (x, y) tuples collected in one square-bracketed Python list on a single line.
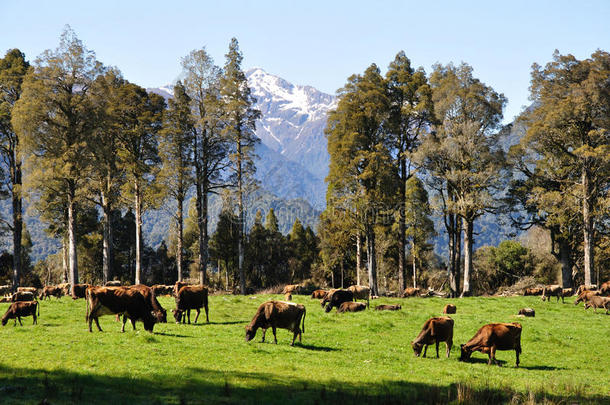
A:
[(210, 143), (569, 128), (53, 117), (13, 68), (239, 124), (411, 112), (176, 150)]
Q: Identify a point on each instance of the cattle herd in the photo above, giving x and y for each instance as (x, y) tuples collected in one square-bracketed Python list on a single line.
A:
[(139, 303)]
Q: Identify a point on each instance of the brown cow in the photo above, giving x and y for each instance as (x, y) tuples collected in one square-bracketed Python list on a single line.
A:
[(552, 290), (65, 288), (178, 286), (598, 302), (360, 293), (19, 309), (191, 297), (79, 291), (119, 300), (449, 309), (585, 296), (51, 291), (605, 289), (351, 307), (319, 294), (33, 290), (527, 312), (567, 292), (160, 289), (386, 307), (113, 283), (533, 291), (278, 314), (335, 298), (5, 289), (410, 292), (586, 287), (435, 330), (149, 295), (288, 297), (291, 289), (23, 296), (492, 337)]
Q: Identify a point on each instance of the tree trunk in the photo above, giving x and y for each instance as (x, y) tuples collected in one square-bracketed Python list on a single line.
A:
[(566, 263), (107, 239), (138, 214), (414, 267), (72, 255), (358, 256), (588, 231), (371, 260), (402, 228), (17, 232), (468, 242), (205, 239), (64, 257), (240, 233), (180, 224), (451, 268)]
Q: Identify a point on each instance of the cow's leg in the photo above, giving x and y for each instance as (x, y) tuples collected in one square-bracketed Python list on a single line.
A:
[(207, 319), (294, 337), (123, 324), (517, 352), (35, 320), (197, 316), (89, 320), (437, 349), (188, 314), (264, 332), (133, 323), (448, 343), (274, 335), (425, 350), (97, 323), (20, 323), (492, 355)]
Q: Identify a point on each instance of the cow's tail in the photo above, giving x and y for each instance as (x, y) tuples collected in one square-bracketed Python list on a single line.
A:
[(303, 320), (87, 297)]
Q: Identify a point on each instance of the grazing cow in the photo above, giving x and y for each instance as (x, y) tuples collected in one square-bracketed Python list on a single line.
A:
[(386, 307), (336, 298), (160, 289), (586, 287), (119, 300), (435, 330), (552, 290), (360, 293), (449, 309), (527, 312), (65, 288), (598, 302), (605, 289), (33, 290), (79, 291), (113, 283), (19, 309), (492, 337), (288, 297), (5, 289), (351, 307), (533, 291), (51, 291), (191, 297), (292, 289), (585, 296), (23, 296), (278, 314), (149, 295), (410, 292), (319, 294)]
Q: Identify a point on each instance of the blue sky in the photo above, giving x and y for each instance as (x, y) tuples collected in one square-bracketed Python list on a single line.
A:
[(319, 43)]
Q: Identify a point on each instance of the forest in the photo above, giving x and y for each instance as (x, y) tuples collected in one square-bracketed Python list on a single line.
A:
[(92, 152)]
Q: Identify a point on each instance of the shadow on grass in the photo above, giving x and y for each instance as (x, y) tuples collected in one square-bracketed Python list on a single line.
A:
[(172, 335), (316, 348), (31, 385), (228, 323), (542, 368)]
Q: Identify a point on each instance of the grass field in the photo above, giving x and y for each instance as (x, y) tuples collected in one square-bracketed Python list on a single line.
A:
[(345, 358)]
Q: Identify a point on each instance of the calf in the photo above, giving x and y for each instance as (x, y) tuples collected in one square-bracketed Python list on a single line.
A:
[(23, 296), (386, 307), (449, 309), (336, 298), (191, 297), (533, 291), (278, 314), (19, 309), (598, 302), (119, 300), (79, 291), (51, 291), (435, 330), (492, 337), (605, 289), (410, 292), (360, 293), (319, 294), (527, 312), (585, 296), (351, 307), (552, 290)]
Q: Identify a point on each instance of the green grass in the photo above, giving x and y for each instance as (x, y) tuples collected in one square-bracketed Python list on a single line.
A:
[(345, 358)]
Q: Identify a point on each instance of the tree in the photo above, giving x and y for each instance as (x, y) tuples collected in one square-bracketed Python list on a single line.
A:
[(53, 117), (13, 68), (239, 124), (569, 132), (463, 157), (176, 150), (223, 244)]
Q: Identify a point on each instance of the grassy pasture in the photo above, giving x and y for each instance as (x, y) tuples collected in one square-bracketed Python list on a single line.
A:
[(345, 358)]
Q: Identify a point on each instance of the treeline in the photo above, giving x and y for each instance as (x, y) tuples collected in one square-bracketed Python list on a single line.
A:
[(81, 141), (395, 140)]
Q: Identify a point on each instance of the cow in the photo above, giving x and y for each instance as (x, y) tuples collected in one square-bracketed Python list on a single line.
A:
[(119, 300), (533, 291), (65, 288), (527, 312), (410, 292), (19, 309), (336, 298), (360, 293), (567, 292), (5, 289), (585, 296), (150, 297), (605, 289), (178, 286), (23, 296), (492, 337), (278, 314), (160, 289), (351, 307), (113, 283), (552, 290), (288, 297), (79, 290), (598, 302), (387, 307), (33, 290), (435, 330), (291, 288), (449, 309), (319, 294), (51, 291), (586, 287), (191, 297)]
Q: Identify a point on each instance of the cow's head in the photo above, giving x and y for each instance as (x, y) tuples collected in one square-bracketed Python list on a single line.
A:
[(328, 308), (178, 315), (465, 355), (5, 318), (250, 333), (160, 315), (417, 348)]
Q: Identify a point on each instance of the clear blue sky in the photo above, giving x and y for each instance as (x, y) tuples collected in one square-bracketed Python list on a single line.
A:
[(319, 43)]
